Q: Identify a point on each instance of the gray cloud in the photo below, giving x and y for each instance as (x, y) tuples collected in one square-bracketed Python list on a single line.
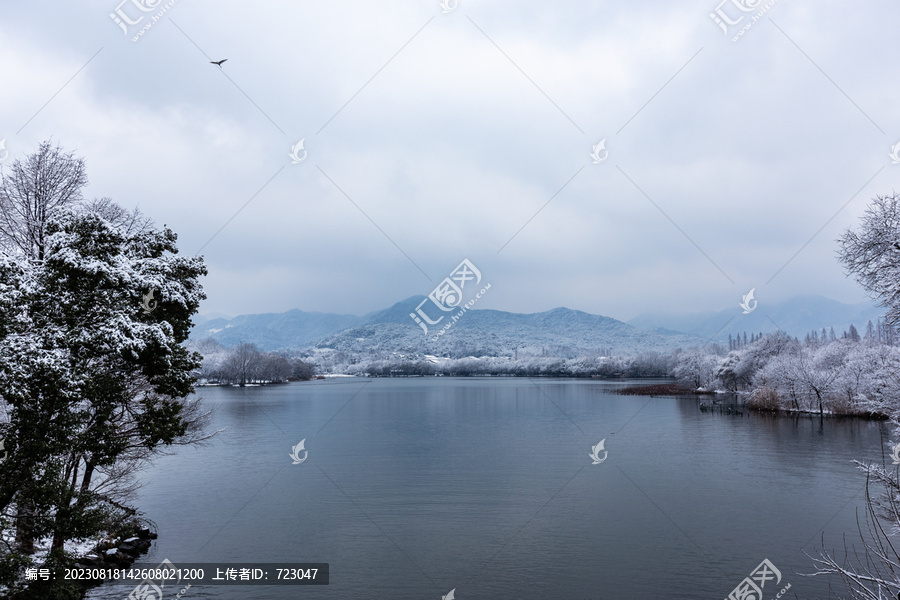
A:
[(450, 149)]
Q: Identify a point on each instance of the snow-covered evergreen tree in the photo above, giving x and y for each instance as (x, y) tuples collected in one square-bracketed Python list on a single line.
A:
[(95, 305)]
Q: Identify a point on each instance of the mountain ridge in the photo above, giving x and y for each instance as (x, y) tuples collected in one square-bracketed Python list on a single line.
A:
[(494, 331)]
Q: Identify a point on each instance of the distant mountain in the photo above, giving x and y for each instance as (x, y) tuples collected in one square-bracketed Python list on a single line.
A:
[(558, 332), (797, 316), (207, 317), (478, 332), (273, 331)]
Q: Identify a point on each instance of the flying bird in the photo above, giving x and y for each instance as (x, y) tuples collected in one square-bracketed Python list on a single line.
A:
[(218, 63)]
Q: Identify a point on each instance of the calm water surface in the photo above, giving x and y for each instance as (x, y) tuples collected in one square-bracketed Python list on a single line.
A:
[(413, 487)]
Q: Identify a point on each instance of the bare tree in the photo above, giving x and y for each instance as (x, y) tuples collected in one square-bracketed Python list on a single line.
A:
[(302, 370), (871, 572), (872, 255), (128, 222), (274, 367), (38, 188), (242, 364)]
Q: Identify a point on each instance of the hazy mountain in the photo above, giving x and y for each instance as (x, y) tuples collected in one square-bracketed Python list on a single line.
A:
[(559, 332), (272, 331), (797, 316), (491, 332), (207, 317)]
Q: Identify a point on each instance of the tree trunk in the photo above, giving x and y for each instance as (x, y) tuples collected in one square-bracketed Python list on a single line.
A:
[(24, 525), (88, 473), (63, 511)]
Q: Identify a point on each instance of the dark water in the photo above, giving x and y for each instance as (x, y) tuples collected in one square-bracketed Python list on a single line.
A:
[(413, 487)]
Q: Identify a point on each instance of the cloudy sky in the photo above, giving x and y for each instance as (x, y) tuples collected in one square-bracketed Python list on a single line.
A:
[(433, 136)]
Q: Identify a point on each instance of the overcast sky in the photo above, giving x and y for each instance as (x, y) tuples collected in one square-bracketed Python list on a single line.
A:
[(432, 136)]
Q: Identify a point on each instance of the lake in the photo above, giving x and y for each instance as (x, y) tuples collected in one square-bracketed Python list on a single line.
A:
[(416, 486)]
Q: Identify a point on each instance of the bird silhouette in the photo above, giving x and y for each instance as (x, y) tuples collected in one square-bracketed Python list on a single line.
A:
[(218, 63)]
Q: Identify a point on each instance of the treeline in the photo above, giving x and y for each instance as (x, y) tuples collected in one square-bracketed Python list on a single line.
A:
[(646, 364), (880, 332), (846, 375), (246, 364)]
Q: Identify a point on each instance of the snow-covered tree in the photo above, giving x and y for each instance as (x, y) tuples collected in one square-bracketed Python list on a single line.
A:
[(37, 189), (94, 376), (872, 254), (696, 368)]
